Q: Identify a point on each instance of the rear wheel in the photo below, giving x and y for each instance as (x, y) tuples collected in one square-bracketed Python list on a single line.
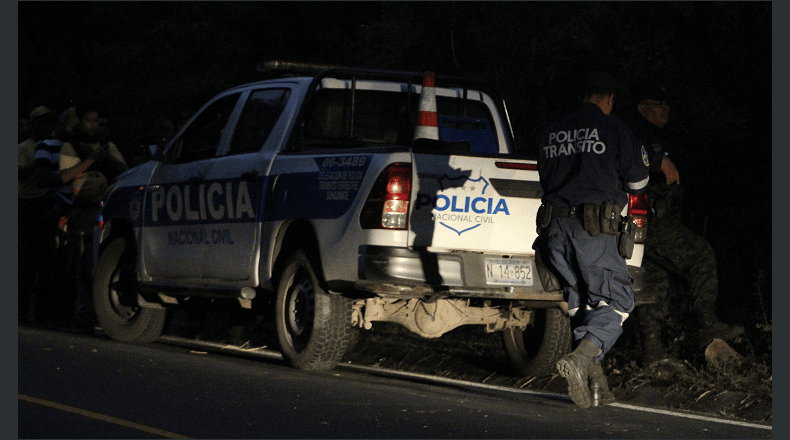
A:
[(534, 351), (113, 280), (313, 327)]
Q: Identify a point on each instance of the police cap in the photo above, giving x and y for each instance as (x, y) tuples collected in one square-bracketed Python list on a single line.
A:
[(649, 89), (598, 82)]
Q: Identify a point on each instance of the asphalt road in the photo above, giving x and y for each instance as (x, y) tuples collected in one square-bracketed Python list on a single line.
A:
[(75, 386)]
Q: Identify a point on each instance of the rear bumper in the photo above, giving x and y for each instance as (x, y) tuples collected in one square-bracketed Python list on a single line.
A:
[(406, 273), (402, 272)]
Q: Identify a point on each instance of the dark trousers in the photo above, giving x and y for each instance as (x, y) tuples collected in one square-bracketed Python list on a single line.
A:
[(79, 261), (38, 222), (595, 278)]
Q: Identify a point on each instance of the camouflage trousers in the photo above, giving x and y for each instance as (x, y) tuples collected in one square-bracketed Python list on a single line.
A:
[(671, 248)]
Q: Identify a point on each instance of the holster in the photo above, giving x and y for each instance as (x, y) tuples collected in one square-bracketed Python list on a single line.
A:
[(625, 241)]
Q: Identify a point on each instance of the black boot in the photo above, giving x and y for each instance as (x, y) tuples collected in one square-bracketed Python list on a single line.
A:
[(574, 367), (599, 386)]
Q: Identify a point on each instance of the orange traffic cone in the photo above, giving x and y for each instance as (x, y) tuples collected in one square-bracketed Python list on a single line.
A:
[(428, 124)]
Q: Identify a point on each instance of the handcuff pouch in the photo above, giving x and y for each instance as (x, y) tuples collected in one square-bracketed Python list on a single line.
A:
[(592, 223), (610, 218)]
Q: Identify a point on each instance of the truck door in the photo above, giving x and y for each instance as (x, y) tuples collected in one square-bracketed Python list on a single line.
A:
[(174, 234), (235, 187)]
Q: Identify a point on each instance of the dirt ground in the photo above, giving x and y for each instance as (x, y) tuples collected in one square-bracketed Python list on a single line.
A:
[(469, 354)]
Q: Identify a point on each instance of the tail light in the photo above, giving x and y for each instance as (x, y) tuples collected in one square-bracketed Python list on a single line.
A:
[(387, 206), (517, 166), (638, 209)]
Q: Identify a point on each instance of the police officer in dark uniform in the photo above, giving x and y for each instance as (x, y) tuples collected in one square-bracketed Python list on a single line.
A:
[(670, 246), (588, 162)]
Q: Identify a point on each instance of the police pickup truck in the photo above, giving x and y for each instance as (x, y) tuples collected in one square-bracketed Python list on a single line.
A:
[(342, 197)]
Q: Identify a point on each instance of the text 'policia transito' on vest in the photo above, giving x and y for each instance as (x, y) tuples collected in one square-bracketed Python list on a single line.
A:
[(582, 140)]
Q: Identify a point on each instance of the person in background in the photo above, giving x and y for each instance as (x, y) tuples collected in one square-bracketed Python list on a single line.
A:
[(152, 144), (67, 128), (88, 150), (103, 130), (52, 298), (87, 163), (671, 248), (35, 214), (588, 163), (41, 119)]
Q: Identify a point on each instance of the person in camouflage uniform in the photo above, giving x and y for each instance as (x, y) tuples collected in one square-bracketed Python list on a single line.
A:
[(671, 248)]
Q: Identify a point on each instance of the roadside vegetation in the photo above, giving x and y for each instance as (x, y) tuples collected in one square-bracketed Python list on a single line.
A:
[(752, 372)]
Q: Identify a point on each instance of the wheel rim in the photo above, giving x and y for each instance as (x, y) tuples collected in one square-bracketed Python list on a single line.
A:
[(300, 309), (124, 312)]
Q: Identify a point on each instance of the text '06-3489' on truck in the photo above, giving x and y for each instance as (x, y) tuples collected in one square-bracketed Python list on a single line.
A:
[(342, 196)]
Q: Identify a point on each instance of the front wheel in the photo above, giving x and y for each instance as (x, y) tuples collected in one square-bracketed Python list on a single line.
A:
[(534, 351), (122, 322), (313, 327)]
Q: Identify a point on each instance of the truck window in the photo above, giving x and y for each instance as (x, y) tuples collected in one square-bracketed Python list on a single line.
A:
[(371, 117), (342, 117), (261, 111), (201, 139), (467, 120)]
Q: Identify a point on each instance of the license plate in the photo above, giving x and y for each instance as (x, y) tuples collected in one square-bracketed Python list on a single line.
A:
[(508, 271)]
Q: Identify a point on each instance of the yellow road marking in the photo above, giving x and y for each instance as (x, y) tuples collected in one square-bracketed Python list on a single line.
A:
[(101, 417)]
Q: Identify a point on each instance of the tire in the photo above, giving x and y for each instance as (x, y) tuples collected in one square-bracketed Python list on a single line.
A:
[(313, 327), (534, 351), (121, 322)]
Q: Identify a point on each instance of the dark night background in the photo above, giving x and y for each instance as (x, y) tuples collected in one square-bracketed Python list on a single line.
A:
[(148, 59)]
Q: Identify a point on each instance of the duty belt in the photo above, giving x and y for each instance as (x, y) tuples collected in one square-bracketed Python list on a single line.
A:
[(568, 211), (546, 212), (595, 218)]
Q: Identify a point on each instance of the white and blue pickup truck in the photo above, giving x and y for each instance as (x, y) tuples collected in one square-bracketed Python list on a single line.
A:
[(308, 191)]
